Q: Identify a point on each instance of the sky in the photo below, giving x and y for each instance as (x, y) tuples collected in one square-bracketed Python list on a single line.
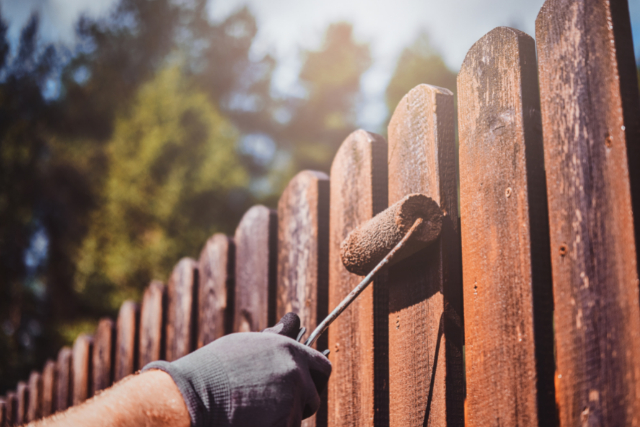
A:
[(286, 27)]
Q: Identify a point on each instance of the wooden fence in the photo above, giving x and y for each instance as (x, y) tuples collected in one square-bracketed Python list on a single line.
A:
[(526, 312)]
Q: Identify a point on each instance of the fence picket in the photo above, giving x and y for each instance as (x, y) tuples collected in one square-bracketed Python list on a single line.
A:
[(256, 257), (152, 320), (3, 412), (216, 290), (81, 369), (425, 293), (182, 306), (11, 408), (63, 383), (358, 339), (126, 341), (49, 378), (22, 399), (34, 407), (591, 127), (103, 346), (303, 244), (505, 247)]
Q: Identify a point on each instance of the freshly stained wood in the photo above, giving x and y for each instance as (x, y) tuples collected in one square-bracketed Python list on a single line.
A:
[(49, 377), (22, 403), (182, 308), (590, 121), (12, 408), (81, 369), (103, 346), (34, 408), (256, 257), (152, 331), (126, 341), (63, 396), (303, 250), (505, 247), (358, 339), (216, 291), (425, 292)]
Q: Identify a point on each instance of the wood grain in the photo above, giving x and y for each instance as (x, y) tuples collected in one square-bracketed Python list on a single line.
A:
[(81, 369), (12, 408), (505, 247), (34, 407), (182, 305), (256, 257), (358, 339), (216, 290), (103, 357), (22, 403), (590, 121), (63, 383), (425, 299), (126, 341), (303, 250), (152, 321), (49, 386)]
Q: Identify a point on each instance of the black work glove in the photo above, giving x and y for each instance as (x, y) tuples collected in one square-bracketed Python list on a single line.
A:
[(251, 379)]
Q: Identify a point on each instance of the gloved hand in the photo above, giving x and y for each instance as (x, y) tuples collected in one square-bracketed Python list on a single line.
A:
[(251, 378)]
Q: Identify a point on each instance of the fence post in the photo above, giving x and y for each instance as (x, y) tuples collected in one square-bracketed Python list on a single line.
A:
[(591, 127), (182, 308), (48, 388), (425, 298), (358, 339), (81, 368), (505, 247), (215, 299), (126, 341), (152, 320), (34, 409), (63, 383), (103, 346), (303, 246), (22, 398), (256, 246)]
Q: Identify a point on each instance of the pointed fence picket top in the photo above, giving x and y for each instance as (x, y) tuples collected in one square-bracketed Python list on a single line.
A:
[(103, 349), (505, 247), (303, 243), (256, 256), (358, 389), (49, 381), (152, 324), (63, 398), (425, 291), (216, 290), (182, 305), (126, 350), (591, 126)]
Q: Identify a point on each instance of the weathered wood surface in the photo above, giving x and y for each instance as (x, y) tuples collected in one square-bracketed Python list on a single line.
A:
[(11, 408), (425, 298), (152, 330), (63, 397), (103, 346), (358, 339), (256, 257), (34, 407), (81, 369), (49, 377), (22, 403), (126, 341), (182, 305), (216, 290), (303, 250), (590, 121), (505, 246)]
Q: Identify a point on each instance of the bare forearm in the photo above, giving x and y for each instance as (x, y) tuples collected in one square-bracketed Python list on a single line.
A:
[(149, 399)]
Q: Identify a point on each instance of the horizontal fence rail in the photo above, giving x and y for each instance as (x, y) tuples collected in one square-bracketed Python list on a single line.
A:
[(525, 311)]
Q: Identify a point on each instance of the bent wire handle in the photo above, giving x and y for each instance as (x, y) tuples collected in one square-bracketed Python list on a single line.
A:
[(361, 287)]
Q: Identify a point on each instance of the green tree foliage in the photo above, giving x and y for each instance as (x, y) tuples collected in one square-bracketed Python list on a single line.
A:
[(418, 63), (172, 168)]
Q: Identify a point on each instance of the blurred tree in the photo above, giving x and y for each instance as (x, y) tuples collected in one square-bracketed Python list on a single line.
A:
[(418, 63)]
